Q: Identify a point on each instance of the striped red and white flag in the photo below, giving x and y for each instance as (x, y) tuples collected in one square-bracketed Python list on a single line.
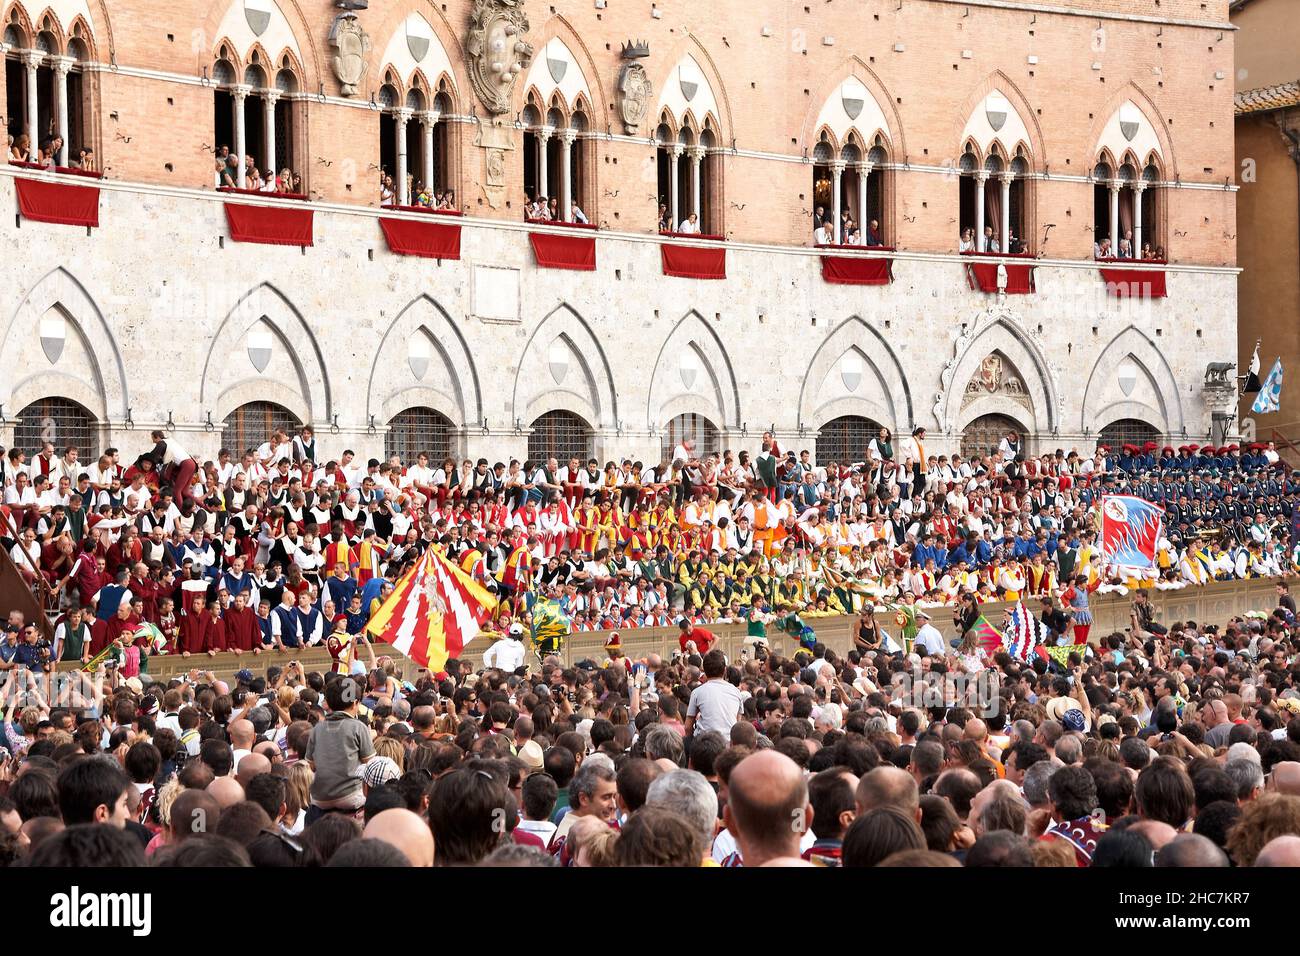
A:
[(434, 611)]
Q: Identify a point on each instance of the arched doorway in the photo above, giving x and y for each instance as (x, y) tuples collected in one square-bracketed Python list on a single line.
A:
[(560, 435), (1128, 431), (845, 439), (60, 421), (249, 426), (417, 431), (983, 435), (697, 427)]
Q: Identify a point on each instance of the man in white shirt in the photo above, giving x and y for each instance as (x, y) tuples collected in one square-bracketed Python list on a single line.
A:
[(507, 654), (928, 637), (690, 225), (716, 704)]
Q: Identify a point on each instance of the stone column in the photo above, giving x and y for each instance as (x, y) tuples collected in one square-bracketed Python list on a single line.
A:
[(674, 154), (567, 138), (403, 116), (1114, 218), (1139, 188), (543, 177), (238, 94), (837, 198), (428, 122), (1005, 240), (62, 64), (269, 99), (981, 178), (32, 60), (864, 175), (697, 157)]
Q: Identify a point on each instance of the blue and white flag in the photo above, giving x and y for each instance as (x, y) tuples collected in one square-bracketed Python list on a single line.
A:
[(1270, 393)]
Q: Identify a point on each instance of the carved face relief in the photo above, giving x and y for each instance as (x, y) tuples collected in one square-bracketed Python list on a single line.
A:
[(497, 50)]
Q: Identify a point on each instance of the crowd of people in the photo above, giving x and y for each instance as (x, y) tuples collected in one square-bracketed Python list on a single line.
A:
[(272, 548), (226, 166), (1102, 249), (1174, 744), (47, 155), (418, 194), (851, 232)]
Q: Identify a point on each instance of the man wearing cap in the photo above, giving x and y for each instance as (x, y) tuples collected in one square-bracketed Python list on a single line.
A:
[(927, 637), (507, 653)]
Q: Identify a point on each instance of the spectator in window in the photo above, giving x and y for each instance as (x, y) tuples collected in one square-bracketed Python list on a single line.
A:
[(1126, 245), (86, 160), (873, 234), (1014, 245), (387, 191), (690, 225), (230, 172), (21, 149), (855, 238), (821, 235), (989, 243), (1147, 251), (967, 241), (1101, 250), (1160, 253), (576, 213), (664, 224)]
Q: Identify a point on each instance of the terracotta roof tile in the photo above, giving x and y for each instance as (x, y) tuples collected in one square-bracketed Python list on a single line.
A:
[(1268, 98)]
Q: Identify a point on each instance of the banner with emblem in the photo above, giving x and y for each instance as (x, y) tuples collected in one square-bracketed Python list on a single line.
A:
[(1130, 530), (550, 626), (434, 611)]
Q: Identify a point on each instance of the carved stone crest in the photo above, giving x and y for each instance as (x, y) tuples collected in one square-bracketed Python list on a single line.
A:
[(634, 89), (497, 50), (351, 48)]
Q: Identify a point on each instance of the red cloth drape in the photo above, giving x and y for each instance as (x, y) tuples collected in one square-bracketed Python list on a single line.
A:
[(564, 252), (43, 201), (984, 276), (272, 225), (1135, 283), (845, 270), (431, 240), (694, 262)]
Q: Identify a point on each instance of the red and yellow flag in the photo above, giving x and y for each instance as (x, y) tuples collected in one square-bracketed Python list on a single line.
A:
[(433, 612)]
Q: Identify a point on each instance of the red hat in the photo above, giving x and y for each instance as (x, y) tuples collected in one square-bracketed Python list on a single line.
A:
[(1223, 450), (1254, 446), (1149, 446), (1168, 448), (1103, 448), (1193, 447), (1130, 448), (1234, 448), (613, 643)]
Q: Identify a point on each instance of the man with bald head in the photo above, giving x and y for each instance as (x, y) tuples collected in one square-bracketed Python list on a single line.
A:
[(1280, 851), (242, 738), (404, 830), (1190, 849), (1214, 718), (1157, 833), (250, 767), (1285, 778), (226, 791), (767, 807), (889, 787)]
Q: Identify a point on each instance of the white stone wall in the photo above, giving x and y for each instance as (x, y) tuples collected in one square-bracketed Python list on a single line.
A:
[(159, 311)]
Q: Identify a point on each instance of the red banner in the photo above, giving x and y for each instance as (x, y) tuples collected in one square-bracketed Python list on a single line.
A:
[(1135, 283), (984, 276), (564, 252), (431, 240), (44, 201), (694, 262), (272, 225), (843, 270)]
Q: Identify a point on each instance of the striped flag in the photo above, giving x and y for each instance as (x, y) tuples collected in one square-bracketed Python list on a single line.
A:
[(1023, 633), (433, 613), (986, 635)]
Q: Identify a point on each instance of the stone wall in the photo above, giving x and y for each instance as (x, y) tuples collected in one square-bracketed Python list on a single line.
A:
[(1212, 604)]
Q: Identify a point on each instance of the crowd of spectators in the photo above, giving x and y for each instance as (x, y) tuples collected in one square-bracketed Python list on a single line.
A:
[(1174, 745), (47, 156), (274, 549), (226, 172), (418, 194), (851, 232)]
